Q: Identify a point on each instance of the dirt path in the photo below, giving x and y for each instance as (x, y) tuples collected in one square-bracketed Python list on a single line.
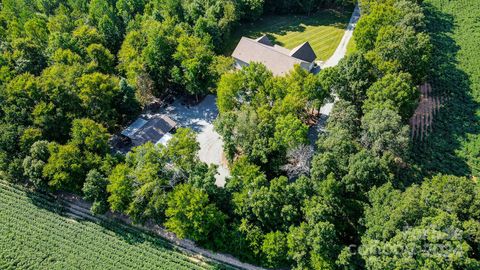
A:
[(79, 209)]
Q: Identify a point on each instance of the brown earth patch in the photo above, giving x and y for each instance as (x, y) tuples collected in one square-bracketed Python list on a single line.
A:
[(422, 119)]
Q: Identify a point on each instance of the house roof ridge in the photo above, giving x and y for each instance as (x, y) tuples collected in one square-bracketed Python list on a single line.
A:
[(273, 50)]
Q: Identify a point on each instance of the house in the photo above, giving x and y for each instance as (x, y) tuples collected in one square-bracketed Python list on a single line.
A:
[(155, 129), (277, 59)]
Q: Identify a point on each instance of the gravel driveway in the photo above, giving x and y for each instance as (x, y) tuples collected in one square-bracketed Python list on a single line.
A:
[(340, 52), (200, 119)]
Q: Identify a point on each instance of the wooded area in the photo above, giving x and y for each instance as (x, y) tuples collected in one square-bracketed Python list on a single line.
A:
[(73, 72)]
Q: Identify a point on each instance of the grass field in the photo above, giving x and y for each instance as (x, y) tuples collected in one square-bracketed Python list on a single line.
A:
[(351, 47), (35, 235), (454, 145), (322, 30)]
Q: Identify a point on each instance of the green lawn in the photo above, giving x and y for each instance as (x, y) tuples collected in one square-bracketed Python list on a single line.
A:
[(34, 234), (351, 46), (323, 30)]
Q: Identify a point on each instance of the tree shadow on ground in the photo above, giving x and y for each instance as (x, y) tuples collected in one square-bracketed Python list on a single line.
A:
[(456, 118), (282, 24), (43, 200)]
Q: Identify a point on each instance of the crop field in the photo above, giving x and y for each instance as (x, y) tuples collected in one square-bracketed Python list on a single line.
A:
[(453, 145), (323, 30), (34, 234)]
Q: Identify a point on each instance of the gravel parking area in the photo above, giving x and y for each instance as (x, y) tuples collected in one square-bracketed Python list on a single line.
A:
[(200, 119)]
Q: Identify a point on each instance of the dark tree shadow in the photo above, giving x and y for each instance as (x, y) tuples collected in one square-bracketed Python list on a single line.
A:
[(456, 118), (43, 200), (282, 24)]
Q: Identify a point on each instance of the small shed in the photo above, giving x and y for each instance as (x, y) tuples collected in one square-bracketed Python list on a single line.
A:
[(152, 129)]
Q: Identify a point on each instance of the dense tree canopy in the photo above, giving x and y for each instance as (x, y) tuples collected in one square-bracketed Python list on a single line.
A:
[(430, 226), (394, 92), (261, 116), (74, 72)]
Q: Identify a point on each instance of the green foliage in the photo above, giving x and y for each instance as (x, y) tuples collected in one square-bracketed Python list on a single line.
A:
[(95, 191), (183, 149), (140, 186), (120, 188), (100, 58), (338, 144), (290, 131), (69, 164), (18, 99), (251, 9), (38, 247), (262, 116), (395, 92), (34, 163), (89, 136), (402, 49), (61, 64), (428, 226), (195, 59), (383, 131), (301, 6), (128, 9), (65, 168), (451, 146), (274, 248), (190, 215), (313, 246), (370, 23), (350, 79), (97, 94)]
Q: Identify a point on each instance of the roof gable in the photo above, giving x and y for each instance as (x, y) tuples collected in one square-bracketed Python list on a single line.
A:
[(275, 58), (264, 40), (304, 52)]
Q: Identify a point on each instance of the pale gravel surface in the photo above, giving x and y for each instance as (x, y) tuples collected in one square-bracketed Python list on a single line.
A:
[(200, 118), (340, 52)]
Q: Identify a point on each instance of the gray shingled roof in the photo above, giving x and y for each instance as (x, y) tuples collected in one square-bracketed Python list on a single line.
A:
[(304, 51), (277, 59), (142, 130), (264, 40)]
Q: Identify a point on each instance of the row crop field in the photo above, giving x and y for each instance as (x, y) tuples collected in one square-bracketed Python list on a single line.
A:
[(34, 234), (453, 146)]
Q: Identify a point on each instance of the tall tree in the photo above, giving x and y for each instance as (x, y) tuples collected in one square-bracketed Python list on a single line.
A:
[(434, 225), (395, 92), (190, 215), (194, 69), (383, 131)]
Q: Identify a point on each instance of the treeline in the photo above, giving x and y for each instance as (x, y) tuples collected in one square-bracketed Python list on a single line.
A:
[(298, 6), (74, 72), (355, 201)]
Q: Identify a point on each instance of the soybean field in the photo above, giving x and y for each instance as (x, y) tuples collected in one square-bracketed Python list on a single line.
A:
[(454, 145), (35, 233)]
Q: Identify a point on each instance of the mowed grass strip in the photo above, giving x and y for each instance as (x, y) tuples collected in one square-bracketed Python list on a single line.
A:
[(34, 236), (323, 30)]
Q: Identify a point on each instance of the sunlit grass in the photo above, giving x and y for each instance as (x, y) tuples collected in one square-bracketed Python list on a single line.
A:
[(323, 30)]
